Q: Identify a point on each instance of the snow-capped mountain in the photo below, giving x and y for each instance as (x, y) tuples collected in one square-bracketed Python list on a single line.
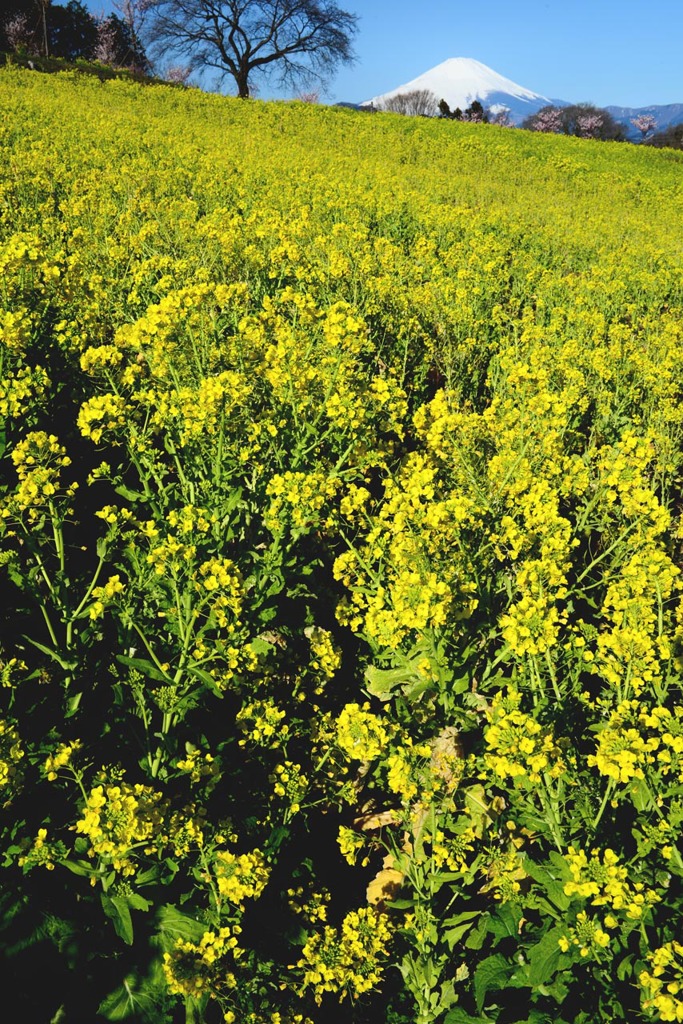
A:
[(460, 80)]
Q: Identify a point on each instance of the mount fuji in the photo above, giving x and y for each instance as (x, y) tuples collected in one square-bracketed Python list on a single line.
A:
[(460, 80)]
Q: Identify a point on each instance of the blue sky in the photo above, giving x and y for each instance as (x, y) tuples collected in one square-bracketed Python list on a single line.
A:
[(625, 52)]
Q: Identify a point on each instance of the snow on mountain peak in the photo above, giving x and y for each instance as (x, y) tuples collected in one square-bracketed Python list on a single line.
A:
[(461, 80)]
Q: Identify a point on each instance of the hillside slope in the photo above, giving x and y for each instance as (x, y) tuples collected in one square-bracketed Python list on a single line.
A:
[(341, 466)]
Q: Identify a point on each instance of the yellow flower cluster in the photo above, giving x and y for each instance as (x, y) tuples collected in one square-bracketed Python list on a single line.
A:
[(118, 819), (631, 648), (605, 883), (348, 960), (350, 843), (637, 738), (60, 758), (41, 853), (406, 768), (9, 670), (220, 577), (504, 874), (298, 499), (38, 460), (24, 389), (241, 876), (261, 722), (200, 767), (184, 831), (312, 905), (206, 967), (104, 596), (289, 782), (325, 655), (361, 735), (587, 934), (518, 746), (662, 984), (11, 753), (412, 537)]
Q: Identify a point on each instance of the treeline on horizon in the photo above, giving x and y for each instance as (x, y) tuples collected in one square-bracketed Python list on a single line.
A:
[(35, 29), (582, 120)]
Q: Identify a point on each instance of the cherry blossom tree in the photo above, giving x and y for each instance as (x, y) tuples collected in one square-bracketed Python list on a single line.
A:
[(645, 123), (589, 125), (18, 32), (105, 48), (548, 119)]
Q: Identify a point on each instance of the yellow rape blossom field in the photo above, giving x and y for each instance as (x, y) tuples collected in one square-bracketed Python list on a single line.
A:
[(340, 551)]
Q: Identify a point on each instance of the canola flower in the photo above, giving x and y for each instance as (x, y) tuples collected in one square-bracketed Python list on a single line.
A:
[(118, 818), (297, 366), (518, 746), (349, 959), (662, 982)]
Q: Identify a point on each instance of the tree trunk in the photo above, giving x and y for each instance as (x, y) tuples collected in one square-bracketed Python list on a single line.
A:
[(242, 79), (44, 5)]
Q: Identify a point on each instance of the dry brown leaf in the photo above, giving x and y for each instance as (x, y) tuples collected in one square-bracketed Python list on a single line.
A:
[(385, 885), (375, 819)]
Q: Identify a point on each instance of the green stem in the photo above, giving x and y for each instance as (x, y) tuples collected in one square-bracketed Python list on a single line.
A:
[(50, 629), (608, 551), (608, 792), (91, 587)]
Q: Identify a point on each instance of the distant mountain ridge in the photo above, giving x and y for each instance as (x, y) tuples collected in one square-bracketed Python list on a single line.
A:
[(666, 115), (461, 80)]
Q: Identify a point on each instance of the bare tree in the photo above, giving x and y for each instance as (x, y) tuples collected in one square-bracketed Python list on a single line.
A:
[(132, 13), (43, 5), (417, 103), (301, 41)]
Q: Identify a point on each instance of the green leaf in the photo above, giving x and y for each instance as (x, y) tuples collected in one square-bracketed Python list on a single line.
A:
[(458, 926), (259, 645), (147, 668), (624, 970), (67, 665), (147, 877), (134, 999), (116, 908), (206, 678), (379, 682), (173, 925), (460, 1016), (452, 936), (475, 940), (562, 870), (492, 973), (505, 920), (138, 902), (73, 704), (551, 881), (545, 957), (79, 867), (641, 795), (129, 494)]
